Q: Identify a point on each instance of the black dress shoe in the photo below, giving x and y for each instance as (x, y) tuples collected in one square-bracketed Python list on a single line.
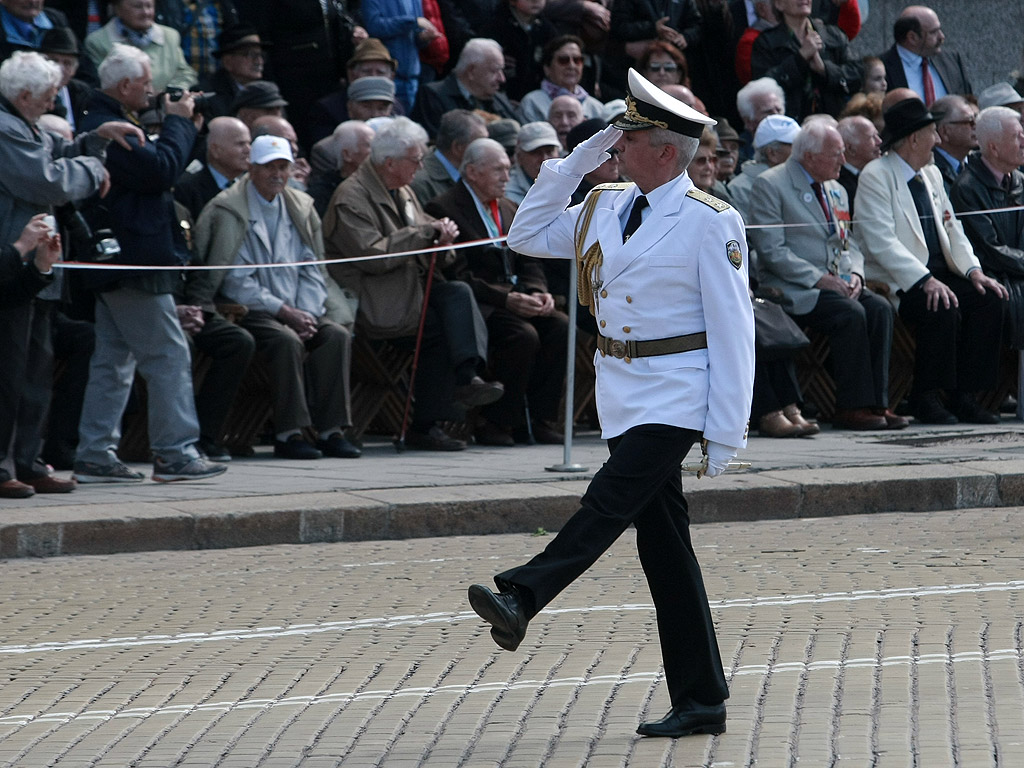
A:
[(545, 434), (479, 392), (338, 447), (504, 612), (295, 447), (929, 410), (970, 412), (434, 439), (492, 434), (685, 719)]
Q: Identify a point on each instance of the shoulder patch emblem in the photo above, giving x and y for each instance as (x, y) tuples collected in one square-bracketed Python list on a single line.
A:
[(709, 200), (734, 253)]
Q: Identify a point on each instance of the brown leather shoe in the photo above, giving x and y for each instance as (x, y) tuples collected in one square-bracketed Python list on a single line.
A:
[(51, 484), (807, 428), (478, 392), (892, 420), (15, 489), (858, 418), (774, 424)]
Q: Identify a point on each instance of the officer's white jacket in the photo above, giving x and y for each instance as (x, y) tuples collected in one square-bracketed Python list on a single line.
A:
[(673, 277)]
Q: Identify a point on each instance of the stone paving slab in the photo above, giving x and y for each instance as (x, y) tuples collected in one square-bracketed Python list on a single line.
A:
[(889, 639), (388, 495)]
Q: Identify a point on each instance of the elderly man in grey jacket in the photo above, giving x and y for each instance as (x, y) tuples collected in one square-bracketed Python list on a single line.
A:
[(308, 356), (41, 170)]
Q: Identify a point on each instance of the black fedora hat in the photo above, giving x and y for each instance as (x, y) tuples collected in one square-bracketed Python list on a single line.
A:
[(59, 40), (904, 118), (236, 37)]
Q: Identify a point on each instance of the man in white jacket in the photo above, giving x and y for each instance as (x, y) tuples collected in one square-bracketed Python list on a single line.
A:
[(663, 267)]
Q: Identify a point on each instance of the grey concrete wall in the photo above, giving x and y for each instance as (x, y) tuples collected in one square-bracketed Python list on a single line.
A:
[(988, 34)]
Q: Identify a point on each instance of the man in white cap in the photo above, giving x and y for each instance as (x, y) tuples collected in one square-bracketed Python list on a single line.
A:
[(664, 269), (773, 141), (535, 143), (262, 220)]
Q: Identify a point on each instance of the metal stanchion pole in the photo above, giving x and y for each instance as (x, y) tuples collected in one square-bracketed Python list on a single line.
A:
[(567, 464)]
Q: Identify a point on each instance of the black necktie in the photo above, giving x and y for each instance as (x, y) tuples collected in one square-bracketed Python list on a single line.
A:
[(635, 217), (922, 201)]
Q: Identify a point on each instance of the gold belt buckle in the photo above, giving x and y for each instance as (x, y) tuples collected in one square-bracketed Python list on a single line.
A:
[(617, 348)]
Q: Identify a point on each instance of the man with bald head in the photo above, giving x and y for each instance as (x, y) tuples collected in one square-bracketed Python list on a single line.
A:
[(227, 158), (917, 59), (526, 334)]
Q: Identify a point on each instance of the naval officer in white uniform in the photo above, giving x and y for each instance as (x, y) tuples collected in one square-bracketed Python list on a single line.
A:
[(664, 269)]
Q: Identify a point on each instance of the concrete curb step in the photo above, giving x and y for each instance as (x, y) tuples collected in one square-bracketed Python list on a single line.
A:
[(399, 513)]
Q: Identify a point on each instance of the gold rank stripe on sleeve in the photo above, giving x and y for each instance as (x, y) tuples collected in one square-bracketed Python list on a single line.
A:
[(709, 200)]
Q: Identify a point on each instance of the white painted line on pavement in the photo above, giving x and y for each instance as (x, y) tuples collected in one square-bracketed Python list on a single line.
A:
[(272, 632), (1006, 654)]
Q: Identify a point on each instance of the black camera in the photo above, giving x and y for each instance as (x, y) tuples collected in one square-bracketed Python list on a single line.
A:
[(99, 245), (201, 100)]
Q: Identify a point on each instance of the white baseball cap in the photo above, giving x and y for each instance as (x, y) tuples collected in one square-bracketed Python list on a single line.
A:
[(776, 128), (266, 149)]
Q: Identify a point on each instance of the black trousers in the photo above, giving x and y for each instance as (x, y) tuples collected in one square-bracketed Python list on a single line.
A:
[(454, 334), (640, 484), (860, 337), (527, 355), (26, 381), (775, 387), (230, 349), (73, 342), (956, 348)]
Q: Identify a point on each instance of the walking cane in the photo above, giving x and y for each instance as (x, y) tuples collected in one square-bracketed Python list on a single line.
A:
[(400, 440)]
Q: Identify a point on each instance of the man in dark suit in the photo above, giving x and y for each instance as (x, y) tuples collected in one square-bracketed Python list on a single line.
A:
[(863, 144), (227, 158), (957, 136), (527, 336), (241, 54), (474, 84), (917, 61)]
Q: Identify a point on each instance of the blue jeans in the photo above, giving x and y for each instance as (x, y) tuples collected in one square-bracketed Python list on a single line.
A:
[(138, 329)]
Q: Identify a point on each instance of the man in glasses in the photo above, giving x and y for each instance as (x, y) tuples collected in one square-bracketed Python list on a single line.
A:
[(241, 62), (957, 136)]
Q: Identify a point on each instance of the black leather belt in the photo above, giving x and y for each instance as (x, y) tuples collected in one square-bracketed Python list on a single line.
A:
[(670, 346)]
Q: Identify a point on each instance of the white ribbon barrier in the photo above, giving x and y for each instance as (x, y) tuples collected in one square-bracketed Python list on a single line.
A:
[(437, 249)]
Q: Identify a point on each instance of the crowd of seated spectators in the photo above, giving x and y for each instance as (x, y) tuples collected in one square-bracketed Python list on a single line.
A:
[(284, 131)]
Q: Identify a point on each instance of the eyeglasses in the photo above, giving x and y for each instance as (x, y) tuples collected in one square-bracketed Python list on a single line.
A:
[(565, 58), (970, 121), (670, 67)]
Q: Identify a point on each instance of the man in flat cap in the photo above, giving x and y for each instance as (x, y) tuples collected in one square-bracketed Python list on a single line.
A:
[(258, 99), (917, 246), (664, 269)]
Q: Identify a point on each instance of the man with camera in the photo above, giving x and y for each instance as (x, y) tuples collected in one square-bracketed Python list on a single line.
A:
[(41, 170), (136, 321)]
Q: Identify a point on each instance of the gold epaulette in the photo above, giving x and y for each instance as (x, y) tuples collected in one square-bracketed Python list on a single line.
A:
[(709, 200)]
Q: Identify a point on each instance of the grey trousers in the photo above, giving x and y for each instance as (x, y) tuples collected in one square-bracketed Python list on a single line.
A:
[(137, 329)]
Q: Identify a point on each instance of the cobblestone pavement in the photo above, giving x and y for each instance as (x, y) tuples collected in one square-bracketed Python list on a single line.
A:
[(882, 640)]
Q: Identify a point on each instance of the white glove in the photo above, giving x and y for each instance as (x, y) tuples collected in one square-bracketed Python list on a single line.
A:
[(719, 457), (589, 155)]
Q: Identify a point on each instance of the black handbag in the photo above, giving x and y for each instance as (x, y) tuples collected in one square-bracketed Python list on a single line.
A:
[(776, 335)]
